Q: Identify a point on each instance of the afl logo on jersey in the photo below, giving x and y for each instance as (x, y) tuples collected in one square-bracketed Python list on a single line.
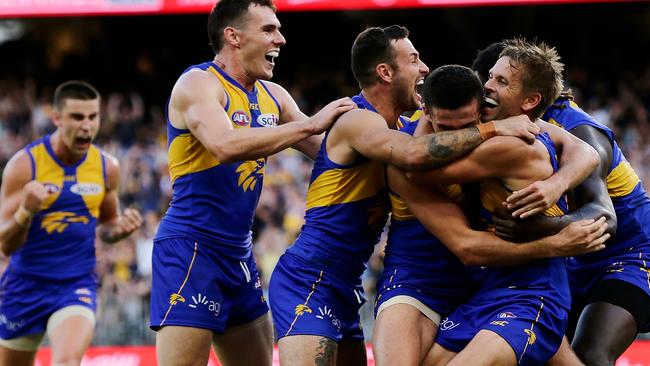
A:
[(51, 188), (267, 120), (86, 189), (240, 118)]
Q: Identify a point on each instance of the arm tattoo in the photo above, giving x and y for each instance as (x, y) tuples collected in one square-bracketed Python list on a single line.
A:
[(326, 355), (445, 147)]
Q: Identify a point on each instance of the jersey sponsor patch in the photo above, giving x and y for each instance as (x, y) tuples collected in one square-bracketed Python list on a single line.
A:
[(86, 189), (267, 120), (240, 118)]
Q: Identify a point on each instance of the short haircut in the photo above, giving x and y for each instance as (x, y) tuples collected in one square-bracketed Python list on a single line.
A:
[(373, 47), (485, 60), (74, 89), (451, 87), (540, 69), (229, 13)]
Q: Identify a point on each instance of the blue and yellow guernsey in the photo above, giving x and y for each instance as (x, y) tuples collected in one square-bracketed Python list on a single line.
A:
[(61, 239), (631, 202), (347, 208), (214, 203), (409, 242), (543, 273)]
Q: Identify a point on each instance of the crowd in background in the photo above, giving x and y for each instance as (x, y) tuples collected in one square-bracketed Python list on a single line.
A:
[(133, 129)]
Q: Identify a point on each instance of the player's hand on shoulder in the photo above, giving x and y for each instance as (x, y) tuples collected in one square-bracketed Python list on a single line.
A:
[(581, 237), (322, 120), (518, 126), (34, 194), (130, 220)]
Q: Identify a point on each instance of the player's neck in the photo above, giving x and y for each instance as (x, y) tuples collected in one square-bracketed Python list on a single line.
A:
[(62, 152), (383, 102), (229, 64)]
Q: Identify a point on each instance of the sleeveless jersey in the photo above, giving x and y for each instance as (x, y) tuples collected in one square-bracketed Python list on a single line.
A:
[(631, 202), (347, 208), (540, 273), (215, 202), (61, 239)]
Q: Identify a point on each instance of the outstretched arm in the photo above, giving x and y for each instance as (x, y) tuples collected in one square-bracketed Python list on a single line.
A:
[(591, 198), (577, 161), (197, 103), (367, 133), (113, 225), (483, 248)]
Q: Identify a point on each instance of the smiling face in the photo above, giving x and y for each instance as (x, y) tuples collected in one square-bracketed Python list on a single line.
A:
[(409, 74), (504, 92), (455, 119), (77, 123), (260, 41)]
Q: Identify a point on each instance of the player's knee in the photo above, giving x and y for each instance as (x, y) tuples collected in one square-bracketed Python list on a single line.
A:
[(67, 359), (594, 357)]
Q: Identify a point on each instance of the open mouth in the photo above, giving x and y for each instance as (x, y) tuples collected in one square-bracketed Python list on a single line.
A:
[(490, 103), (419, 85), (271, 55), (82, 141)]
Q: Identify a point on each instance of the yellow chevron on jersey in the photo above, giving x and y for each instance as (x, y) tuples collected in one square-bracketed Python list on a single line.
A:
[(622, 180), (345, 185), (187, 155), (88, 181)]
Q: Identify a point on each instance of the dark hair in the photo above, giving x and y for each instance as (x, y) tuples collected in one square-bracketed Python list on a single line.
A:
[(371, 48), (540, 68), (229, 13), (485, 60), (74, 89), (451, 87)]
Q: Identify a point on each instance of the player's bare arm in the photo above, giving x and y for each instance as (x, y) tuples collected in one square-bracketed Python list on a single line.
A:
[(197, 103), (590, 199), (577, 161), (20, 199), (504, 157), (290, 113), (113, 225), (474, 247), (366, 133)]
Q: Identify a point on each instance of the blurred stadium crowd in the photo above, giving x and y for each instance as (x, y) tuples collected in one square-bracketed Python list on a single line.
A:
[(133, 129)]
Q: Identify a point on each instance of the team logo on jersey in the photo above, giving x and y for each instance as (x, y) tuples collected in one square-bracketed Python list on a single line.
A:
[(175, 298), (531, 336), (86, 189), (301, 309), (82, 291), (240, 118), (249, 173), (59, 221), (51, 188), (267, 120), (507, 314), (501, 323)]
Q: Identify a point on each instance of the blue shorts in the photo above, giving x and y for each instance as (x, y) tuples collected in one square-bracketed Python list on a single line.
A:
[(631, 266), (441, 286), (531, 323), (195, 286), (26, 304), (309, 301)]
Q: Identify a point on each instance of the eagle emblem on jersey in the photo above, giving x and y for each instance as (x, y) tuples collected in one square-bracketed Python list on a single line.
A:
[(249, 173), (59, 221), (301, 309), (531, 336)]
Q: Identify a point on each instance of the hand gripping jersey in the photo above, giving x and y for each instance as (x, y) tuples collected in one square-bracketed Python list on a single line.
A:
[(215, 202), (61, 239), (631, 202)]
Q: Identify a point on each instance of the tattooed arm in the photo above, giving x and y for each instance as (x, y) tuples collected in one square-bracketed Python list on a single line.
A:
[(362, 132)]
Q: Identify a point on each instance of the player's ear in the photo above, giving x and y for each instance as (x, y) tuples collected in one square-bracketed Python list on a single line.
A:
[(231, 36), (531, 101), (384, 72)]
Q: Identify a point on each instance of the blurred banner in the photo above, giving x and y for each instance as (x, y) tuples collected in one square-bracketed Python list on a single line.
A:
[(35, 8), (637, 355)]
